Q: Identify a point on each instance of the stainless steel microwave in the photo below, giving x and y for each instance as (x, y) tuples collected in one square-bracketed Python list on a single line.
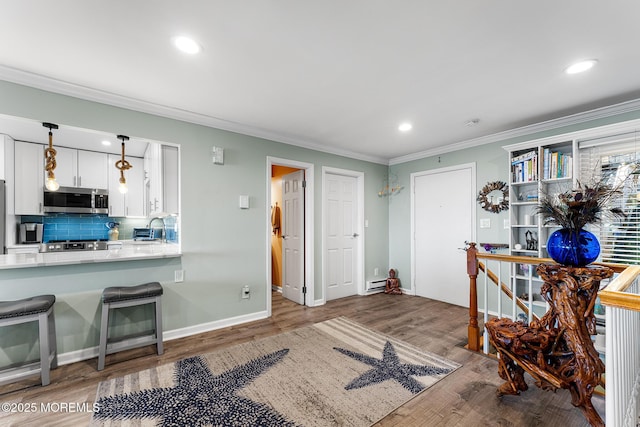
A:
[(77, 200)]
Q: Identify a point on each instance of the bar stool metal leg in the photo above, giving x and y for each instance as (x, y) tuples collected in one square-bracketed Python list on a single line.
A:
[(104, 330), (43, 327), (158, 324), (53, 345)]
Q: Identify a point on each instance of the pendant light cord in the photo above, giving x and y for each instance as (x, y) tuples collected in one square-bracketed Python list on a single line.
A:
[(122, 164), (50, 152)]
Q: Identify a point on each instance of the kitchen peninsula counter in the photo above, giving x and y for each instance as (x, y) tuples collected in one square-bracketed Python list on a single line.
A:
[(129, 251)]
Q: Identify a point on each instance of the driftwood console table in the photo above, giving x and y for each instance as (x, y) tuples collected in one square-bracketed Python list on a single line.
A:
[(556, 350)]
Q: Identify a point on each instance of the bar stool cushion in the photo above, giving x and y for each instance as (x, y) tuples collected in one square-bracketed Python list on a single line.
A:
[(23, 307), (123, 293)]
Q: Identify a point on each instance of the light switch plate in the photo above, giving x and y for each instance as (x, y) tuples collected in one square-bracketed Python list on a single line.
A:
[(179, 276), (485, 223), (244, 202)]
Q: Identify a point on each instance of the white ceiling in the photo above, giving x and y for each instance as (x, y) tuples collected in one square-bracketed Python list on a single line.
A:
[(335, 74)]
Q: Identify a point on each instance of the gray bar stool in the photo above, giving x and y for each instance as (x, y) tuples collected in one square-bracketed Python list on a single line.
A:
[(33, 309), (128, 296)]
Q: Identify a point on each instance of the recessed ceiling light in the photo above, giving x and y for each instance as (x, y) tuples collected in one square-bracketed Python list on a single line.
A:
[(186, 45), (405, 127), (581, 66), (105, 142)]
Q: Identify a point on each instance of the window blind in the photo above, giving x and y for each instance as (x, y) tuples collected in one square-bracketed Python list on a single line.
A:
[(616, 160)]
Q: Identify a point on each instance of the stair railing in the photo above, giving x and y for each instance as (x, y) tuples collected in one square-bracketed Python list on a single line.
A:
[(621, 299), (505, 301)]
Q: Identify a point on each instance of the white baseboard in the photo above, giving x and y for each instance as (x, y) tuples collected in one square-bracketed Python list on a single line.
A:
[(92, 352)]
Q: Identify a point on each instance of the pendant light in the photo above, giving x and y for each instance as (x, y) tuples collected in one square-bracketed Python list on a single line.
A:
[(123, 165), (50, 160)]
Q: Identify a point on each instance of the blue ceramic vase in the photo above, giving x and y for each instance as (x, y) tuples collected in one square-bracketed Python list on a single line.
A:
[(575, 248)]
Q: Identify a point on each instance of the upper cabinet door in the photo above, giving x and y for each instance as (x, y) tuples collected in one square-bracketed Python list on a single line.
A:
[(66, 170), (29, 178), (93, 169), (134, 198), (153, 168), (132, 202), (116, 199), (170, 181)]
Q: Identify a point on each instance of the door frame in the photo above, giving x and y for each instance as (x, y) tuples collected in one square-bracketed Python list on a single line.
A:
[(360, 227), (413, 177), (308, 227)]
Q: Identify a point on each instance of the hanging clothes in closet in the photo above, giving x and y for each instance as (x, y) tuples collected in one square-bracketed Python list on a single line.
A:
[(275, 219)]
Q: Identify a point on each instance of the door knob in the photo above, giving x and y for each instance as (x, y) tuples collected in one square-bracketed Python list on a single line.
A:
[(284, 237), (355, 234)]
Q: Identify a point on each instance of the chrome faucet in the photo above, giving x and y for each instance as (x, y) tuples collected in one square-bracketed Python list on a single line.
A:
[(164, 227)]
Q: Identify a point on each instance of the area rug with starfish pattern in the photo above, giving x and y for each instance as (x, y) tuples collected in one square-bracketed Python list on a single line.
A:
[(333, 373)]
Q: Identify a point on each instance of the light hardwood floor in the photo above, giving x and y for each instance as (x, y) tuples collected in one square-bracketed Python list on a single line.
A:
[(465, 398)]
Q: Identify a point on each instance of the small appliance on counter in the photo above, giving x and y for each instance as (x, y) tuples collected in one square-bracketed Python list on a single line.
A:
[(30, 232), (147, 233)]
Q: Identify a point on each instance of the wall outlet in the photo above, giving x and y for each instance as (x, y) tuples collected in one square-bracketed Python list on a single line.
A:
[(246, 293), (179, 276)]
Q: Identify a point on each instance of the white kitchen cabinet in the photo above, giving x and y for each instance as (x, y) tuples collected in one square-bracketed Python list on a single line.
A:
[(66, 170), (170, 182), (81, 168), (93, 169), (153, 178), (161, 165), (29, 178), (132, 202)]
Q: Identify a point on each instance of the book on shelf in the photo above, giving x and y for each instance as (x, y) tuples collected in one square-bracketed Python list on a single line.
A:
[(556, 164), (524, 167)]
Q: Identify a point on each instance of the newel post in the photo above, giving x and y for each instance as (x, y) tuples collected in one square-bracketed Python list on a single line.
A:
[(473, 330)]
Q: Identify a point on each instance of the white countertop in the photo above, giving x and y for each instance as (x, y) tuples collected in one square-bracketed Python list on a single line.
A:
[(130, 251)]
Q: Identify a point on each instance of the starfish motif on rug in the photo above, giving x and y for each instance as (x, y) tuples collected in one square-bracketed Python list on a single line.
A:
[(390, 368), (199, 398)]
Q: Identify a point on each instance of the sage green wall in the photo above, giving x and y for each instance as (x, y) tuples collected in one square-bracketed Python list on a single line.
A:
[(223, 247), (491, 165)]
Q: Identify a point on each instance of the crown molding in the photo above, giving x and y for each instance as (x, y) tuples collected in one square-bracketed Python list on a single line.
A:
[(61, 87), (586, 116), (49, 84)]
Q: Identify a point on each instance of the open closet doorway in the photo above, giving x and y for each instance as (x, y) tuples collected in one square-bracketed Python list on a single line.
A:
[(290, 230)]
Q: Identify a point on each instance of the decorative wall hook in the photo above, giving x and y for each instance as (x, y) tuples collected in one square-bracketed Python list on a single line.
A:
[(390, 186)]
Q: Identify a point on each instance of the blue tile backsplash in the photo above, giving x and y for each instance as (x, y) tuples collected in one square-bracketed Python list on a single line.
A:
[(66, 227), (90, 227)]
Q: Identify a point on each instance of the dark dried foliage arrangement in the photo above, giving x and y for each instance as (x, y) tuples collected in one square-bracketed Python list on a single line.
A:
[(583, 205)]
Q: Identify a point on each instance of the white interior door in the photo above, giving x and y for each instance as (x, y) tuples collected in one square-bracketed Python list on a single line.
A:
[(341, 257), (443, 219), (293, 236)]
